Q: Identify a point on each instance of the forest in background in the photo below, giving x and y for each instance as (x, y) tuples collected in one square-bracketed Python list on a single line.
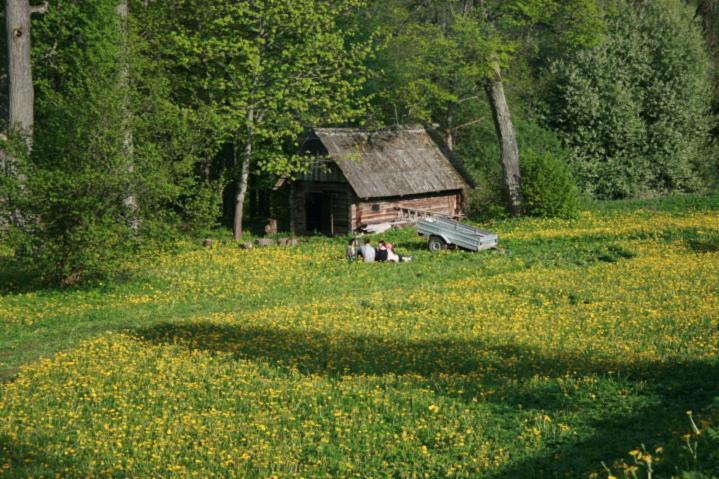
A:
[(156, 119)]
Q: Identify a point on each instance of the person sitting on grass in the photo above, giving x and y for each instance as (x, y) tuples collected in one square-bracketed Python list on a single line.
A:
[(381, 253), (367, 251), (352, 250), (394, 257)]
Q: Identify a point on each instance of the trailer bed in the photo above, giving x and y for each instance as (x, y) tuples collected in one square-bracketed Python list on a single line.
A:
[(443, 232)]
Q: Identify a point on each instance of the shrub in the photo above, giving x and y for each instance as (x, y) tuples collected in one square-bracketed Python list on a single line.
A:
[(201, 207), (548, 188), (486, 200), (633, 111), (480, 152)]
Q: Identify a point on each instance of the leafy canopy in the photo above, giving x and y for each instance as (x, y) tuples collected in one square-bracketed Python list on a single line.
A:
[(633, 109), (267, 68)]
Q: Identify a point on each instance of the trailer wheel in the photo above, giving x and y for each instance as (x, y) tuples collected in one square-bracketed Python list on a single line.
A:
[(436, 243)]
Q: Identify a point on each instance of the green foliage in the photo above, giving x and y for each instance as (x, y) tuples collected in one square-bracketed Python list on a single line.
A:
[(707, 11), (249, 77), (486, 199), (633, 110), (81, 225), (268, 69), (14, 156), (432, 70), (202, 206), (554, 26), (480, 151), (438, 57), (701, 450), (77, 176), (105, 131), (439, 54), (265, 71), (694, 455), (547, 185)]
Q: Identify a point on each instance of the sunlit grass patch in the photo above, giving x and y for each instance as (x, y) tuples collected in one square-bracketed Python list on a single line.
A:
[(574, 343)]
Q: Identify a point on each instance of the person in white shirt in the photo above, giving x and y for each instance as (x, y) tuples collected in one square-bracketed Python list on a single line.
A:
[(392, 256), (367, 251)]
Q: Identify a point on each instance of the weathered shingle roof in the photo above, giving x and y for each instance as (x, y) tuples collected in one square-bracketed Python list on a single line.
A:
[(391, 162)]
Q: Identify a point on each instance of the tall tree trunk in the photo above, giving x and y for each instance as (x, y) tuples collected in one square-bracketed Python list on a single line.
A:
[(449, 133), (244, 177), (21, 92), (128, 147), (507, 140)]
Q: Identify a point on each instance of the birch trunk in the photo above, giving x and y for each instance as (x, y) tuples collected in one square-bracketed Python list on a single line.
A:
[(21, 92), (244, 179), (449, 134), (130, 200), (507, 140)]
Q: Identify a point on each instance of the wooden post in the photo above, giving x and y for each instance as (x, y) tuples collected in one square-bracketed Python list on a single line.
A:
[(292, 208), (350, 216)]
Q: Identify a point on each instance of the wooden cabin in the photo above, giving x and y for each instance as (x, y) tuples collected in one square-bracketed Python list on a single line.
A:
[(360, 178)]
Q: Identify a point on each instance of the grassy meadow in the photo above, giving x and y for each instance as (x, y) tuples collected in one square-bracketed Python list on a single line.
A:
[(577, 343)]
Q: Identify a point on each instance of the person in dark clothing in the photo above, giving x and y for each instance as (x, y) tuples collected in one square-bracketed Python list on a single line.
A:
[(381, 253)]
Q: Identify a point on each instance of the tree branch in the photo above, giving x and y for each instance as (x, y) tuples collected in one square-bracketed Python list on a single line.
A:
[(465, 125), (474, 97), (40, 8)]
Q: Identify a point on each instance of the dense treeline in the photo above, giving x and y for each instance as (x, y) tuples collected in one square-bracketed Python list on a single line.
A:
[(153, 118), (633, 111)]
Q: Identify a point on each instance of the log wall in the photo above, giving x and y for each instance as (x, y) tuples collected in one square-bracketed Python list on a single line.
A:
[(368, 212), (334, 209)]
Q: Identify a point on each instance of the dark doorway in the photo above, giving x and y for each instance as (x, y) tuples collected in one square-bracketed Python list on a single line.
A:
[(319, 213)]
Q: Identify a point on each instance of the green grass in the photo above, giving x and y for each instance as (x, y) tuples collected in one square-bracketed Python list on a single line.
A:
[(575, 343)]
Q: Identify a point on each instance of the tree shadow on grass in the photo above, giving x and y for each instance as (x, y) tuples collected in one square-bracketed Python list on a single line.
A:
[(466, 370), (708, 245), (22, 460)]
